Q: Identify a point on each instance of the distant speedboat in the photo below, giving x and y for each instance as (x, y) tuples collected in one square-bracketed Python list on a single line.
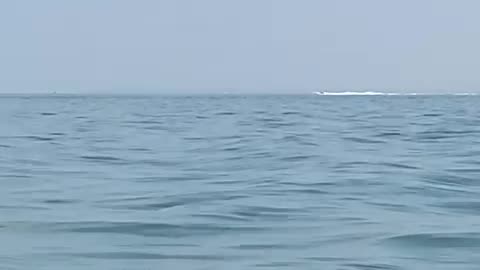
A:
[(319, 93)]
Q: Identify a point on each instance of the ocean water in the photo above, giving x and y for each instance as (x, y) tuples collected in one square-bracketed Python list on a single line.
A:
[(239, 182)]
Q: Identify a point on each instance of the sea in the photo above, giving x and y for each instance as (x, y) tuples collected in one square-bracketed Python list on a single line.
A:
[(233, 182)]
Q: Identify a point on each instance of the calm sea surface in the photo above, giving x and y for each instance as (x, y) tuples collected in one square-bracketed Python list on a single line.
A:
[(232, 182)]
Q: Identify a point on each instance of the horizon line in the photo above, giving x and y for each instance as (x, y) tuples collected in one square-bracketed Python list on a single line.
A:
[(247, 93)]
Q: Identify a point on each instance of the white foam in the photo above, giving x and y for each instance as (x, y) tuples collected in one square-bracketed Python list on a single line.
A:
[(370, 93), (465, 94), (353, 93)]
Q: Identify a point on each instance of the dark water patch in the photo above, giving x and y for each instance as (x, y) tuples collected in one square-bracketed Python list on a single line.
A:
[(56, 133), (399, 166), (165, 202), (279, 125), (230, 137), (149, 256), (435, 190), (318, 184), (297, 158), (160, 163), (157, 127), (223, 217), (277, 265), (198, 139), (389, 134), (309, 143), (351, 164), (464, 157), (275, 122), (125, 199), (307, 191), (152, 206), (459, 132), (363, 140), (260, 112), (265, 212), (48, 113), (263, 247), (102, 158), (152, 229), (448, 179), (291, 113), (361, 266), (83, 130), (165, 245), (232, 149), (22, 207), (469, 207), (16, 176), (325, 259), (60, 201), (294, 137), (432, 114), (431, 137), (443, 134), (36, 138), (352, 219), (139, 149), (348, 238), (393, 206), (175, 178), (145, 122), (227, 182), (225, 113), (464, 170), (436, 240), (356, 198)]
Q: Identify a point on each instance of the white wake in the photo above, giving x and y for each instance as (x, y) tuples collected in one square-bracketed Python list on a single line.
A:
[(370, 93)]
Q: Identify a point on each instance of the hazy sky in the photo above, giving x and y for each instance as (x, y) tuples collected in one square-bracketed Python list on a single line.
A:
[(239, 45)]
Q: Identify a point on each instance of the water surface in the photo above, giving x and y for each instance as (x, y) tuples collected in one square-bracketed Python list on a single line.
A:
[(239, 182)]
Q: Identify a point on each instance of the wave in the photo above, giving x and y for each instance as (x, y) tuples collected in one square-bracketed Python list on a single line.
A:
[(370, 93)]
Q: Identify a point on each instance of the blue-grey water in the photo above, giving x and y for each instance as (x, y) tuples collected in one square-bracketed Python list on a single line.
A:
[(239, 182)]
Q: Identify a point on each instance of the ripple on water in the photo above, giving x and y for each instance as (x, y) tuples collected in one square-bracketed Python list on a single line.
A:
[(240, 183)]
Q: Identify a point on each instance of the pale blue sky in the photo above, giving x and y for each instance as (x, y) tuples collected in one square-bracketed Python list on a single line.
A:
[(239, 45)]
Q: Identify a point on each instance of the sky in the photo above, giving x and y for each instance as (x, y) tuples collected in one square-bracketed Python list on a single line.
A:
[(239, 46)]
